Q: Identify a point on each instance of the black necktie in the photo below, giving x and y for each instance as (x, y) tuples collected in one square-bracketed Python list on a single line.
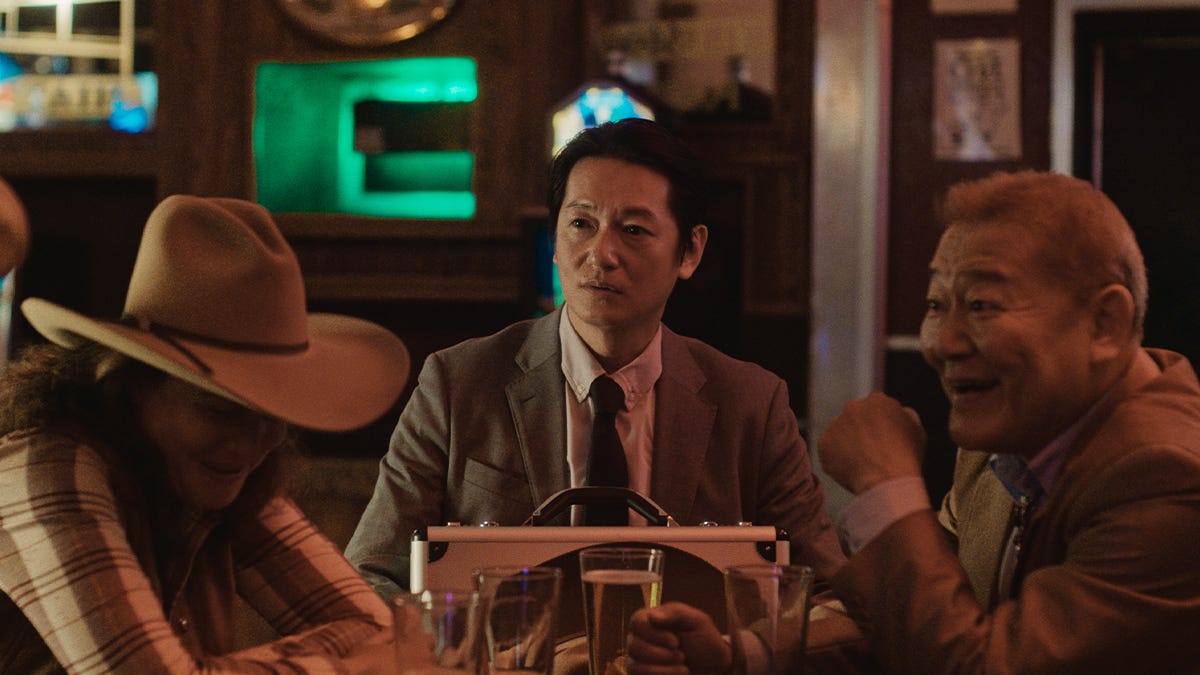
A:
[(606, 463)]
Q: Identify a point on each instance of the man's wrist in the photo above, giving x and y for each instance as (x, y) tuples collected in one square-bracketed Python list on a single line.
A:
[(875, 509)]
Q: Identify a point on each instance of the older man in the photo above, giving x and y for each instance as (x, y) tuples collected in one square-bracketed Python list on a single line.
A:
[(498, 424), (1034, 323), (1074, 517)]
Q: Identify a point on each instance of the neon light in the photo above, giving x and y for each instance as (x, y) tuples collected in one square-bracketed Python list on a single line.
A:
[(419, 171), (594, 105), (304, 139)]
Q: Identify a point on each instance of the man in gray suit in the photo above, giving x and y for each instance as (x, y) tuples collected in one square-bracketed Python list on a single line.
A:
[(498, 424)]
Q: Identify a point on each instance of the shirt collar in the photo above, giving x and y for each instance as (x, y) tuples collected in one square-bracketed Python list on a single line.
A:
[(580, 366), (1035, 477)]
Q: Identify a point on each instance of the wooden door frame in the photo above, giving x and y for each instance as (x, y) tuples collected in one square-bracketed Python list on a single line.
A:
[(1062, 90)]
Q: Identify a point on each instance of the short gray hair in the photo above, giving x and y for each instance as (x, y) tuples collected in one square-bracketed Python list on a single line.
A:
[(1088, 243)]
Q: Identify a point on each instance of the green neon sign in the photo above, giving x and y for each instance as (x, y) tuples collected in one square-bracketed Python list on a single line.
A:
[(316, 148)]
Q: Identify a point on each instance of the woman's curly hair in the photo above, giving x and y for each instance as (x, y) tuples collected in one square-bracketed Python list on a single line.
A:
[(86, 392)]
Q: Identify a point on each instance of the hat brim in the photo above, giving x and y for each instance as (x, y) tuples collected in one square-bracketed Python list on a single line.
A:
[(350, 374)]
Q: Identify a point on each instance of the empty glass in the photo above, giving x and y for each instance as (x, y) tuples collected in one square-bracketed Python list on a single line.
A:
[(768, 615), (437, 631), (519, 608)]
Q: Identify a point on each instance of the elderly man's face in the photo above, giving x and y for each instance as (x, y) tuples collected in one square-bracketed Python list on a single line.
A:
[(1010, 342)]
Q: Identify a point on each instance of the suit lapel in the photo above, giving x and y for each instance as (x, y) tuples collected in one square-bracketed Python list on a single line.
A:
[(683, 420), (535, 399)]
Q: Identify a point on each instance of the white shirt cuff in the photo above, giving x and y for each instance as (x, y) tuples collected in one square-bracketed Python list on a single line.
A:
[(874, 510)]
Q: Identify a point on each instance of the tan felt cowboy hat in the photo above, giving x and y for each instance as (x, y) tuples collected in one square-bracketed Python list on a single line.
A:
[(216, 299)]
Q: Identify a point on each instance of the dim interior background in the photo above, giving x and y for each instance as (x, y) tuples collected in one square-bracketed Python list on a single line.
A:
[(818, 122)]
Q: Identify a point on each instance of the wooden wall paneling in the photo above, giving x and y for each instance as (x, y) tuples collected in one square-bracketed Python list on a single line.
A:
[(475, 270), (774, 159), (917, 180), (1135, 138), (776, 271), (794, 111), (199, 107), (72, 153), (433, 282)]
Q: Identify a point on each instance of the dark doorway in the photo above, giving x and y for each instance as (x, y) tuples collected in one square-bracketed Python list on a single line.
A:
[(1137, 102)]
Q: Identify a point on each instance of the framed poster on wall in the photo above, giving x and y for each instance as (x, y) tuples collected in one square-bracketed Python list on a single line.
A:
[(977, 99)]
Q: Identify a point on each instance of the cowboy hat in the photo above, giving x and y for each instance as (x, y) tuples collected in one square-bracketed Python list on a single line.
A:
[(216, 299)]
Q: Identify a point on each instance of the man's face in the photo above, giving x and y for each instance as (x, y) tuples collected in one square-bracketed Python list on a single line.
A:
[(617, 250), (1011, 344)]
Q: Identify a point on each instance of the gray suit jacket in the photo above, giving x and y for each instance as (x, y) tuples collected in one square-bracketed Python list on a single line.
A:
[(483, 438)]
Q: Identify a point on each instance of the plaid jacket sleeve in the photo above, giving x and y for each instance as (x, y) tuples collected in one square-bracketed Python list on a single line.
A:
[(66, 561), (302, 585)]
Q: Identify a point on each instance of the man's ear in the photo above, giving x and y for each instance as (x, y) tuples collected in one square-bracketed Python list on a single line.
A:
[(693, 253), (1112, 310)]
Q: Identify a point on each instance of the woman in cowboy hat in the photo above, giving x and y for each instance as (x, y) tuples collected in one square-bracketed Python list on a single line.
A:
[(139, 478)]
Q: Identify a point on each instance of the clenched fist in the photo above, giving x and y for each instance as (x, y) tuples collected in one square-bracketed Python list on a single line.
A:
[(874, 439)]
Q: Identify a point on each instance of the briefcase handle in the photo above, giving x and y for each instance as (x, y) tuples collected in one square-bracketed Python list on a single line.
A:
[(564, 499)]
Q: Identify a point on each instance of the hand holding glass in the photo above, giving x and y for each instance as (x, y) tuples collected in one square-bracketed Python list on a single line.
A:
[(616, 583)]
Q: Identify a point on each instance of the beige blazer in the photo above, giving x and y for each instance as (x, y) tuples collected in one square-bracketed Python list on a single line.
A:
[(976, 513)]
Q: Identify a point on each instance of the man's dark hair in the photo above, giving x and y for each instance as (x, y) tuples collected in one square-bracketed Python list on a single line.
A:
[(644, 143)]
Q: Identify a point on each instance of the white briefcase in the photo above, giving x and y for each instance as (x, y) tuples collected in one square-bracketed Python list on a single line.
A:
[(446, 556)]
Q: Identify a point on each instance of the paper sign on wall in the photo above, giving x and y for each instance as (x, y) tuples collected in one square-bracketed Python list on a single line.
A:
[(977, 99)]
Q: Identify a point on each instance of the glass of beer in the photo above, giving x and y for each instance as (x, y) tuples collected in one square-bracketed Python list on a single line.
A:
[(616, 582)]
